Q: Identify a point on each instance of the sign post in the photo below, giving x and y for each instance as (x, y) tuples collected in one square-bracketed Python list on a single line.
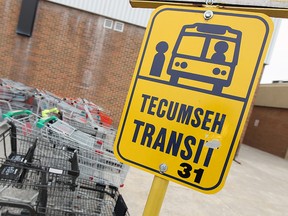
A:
[(156, 196), (190, 95)]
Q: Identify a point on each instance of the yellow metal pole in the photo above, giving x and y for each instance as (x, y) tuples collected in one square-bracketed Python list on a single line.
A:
[(155, 197)]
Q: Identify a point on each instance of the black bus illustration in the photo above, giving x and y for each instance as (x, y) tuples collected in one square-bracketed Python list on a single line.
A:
[(206, 53)]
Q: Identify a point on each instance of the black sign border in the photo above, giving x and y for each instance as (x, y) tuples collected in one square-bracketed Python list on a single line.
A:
[(245, 100)]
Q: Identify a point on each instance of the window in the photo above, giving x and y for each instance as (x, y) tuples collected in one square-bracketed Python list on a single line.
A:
[(108, 23), (119, 26)]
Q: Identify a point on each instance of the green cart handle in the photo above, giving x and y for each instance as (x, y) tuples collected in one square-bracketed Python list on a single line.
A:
[(13, 113), (42, 122)]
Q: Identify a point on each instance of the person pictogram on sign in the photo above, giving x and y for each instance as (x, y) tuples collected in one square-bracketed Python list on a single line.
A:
[(219, 57), (159, 59), (220, 48)]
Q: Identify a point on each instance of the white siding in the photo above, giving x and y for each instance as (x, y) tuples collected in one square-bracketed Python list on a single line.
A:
[(115, 9)]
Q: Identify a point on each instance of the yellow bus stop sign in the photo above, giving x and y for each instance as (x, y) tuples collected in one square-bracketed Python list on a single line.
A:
[(191, 92)]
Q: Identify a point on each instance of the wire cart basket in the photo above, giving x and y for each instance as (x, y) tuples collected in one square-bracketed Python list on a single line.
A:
[(96, 160), (54, 125), (87, 199), (85, 125), (26, 150)]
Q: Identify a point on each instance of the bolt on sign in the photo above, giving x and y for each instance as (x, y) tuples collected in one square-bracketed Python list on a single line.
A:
[(190, 95)]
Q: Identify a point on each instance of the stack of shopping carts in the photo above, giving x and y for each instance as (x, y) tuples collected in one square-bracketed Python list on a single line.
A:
[(56, 164), (39, 176)]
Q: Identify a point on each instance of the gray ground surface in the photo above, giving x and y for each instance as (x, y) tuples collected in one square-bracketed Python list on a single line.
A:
[(257, 186)]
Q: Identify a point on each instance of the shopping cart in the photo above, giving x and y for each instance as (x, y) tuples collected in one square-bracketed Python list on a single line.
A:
[(96, 160), (17, 94), (24, 120), (96, 114), (9, 93), (23, 149), (52, 124), (40, 198), (25, 161), (84, 124), (45, 100), (80, 113), (74, 116), (32, 183), (16, 85), (87, 199)]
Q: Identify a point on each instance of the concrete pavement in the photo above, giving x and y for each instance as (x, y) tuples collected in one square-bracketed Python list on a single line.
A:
[(256, 187)]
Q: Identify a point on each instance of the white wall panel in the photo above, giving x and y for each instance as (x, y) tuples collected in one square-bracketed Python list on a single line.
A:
[(115, 9)]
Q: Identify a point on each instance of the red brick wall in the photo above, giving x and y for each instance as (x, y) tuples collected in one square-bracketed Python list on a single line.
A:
[(271, 133), (70, 54)]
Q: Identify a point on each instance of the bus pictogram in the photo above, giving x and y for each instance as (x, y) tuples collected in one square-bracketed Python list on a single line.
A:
[(207, 53)]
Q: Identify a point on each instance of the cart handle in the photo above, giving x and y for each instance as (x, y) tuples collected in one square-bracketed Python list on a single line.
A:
[(47, 111), (43, 121), (16, 112), (28, 207)]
